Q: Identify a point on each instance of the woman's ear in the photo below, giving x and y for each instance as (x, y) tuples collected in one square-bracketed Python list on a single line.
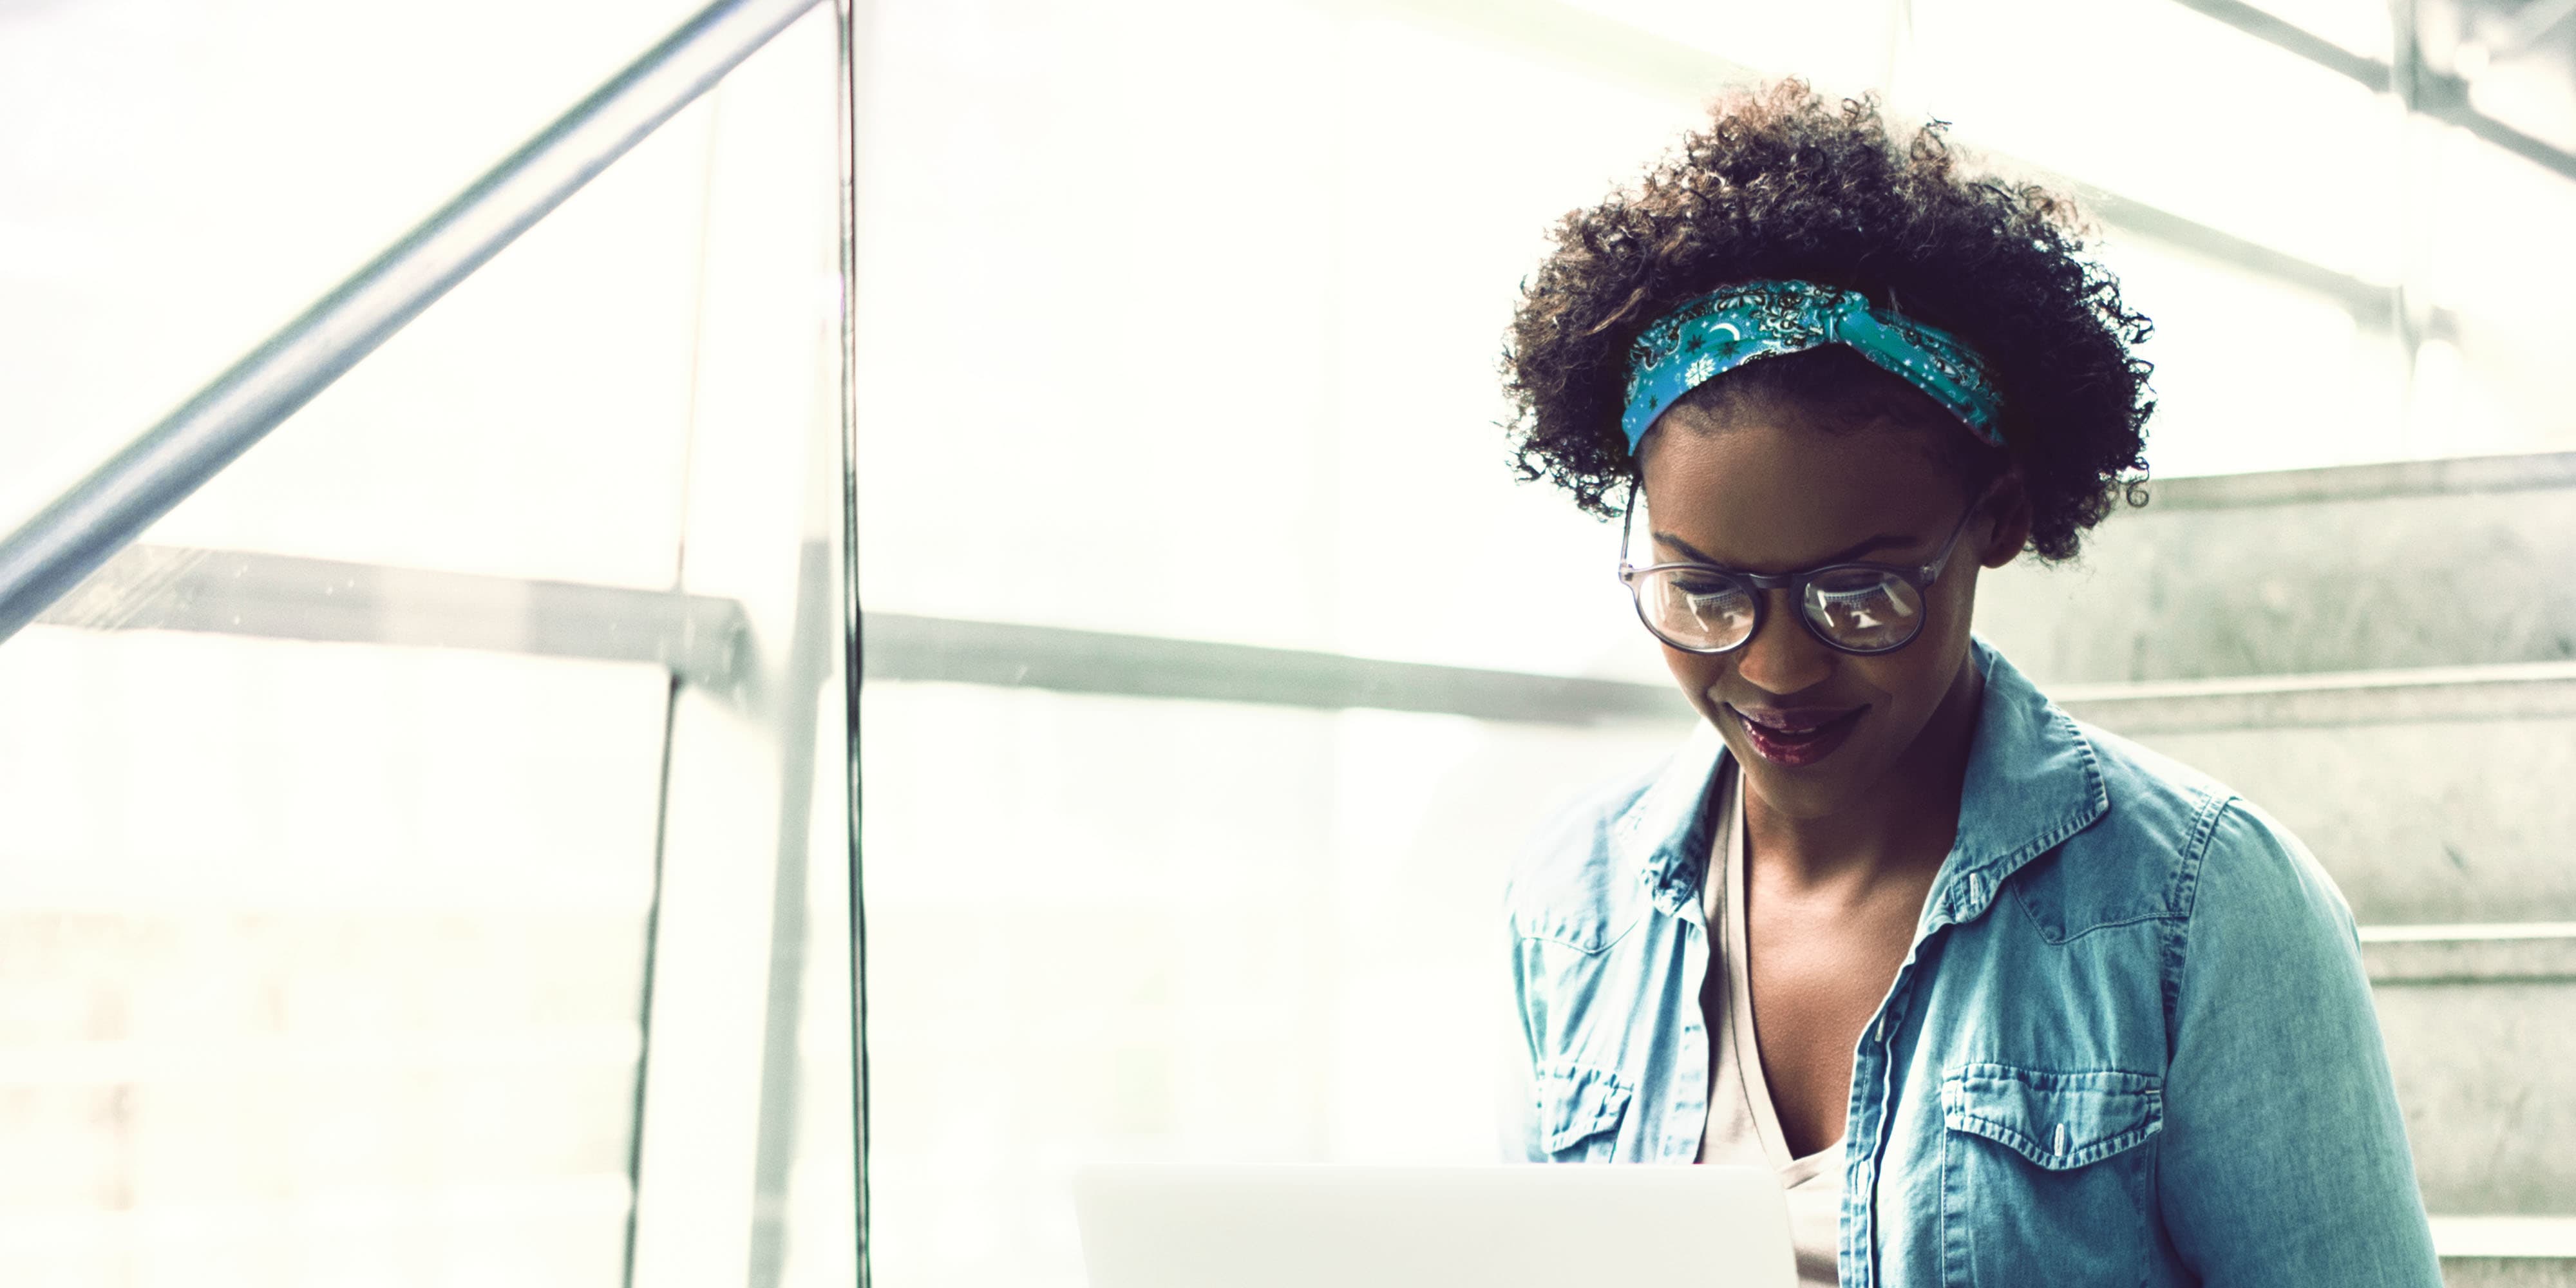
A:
[(2011, 508)]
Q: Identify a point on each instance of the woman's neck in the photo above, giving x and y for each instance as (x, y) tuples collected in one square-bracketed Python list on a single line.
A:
[(1900, 832)]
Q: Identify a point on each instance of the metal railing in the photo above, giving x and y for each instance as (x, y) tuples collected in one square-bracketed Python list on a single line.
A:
[(2444, 96), (69, 539)]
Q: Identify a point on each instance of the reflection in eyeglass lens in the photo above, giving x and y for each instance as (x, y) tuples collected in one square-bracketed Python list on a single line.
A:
[(1868, 610), (1714, 610)]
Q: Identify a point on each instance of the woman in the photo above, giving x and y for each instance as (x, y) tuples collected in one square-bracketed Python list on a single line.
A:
[(2004, 999)]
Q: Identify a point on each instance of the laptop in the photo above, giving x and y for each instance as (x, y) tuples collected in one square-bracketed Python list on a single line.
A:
[(1501, 1226)]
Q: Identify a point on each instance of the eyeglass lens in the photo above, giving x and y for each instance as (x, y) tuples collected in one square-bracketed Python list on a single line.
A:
[(1862, 609)]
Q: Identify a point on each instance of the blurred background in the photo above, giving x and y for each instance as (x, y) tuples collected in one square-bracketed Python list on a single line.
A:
[(426, 858)]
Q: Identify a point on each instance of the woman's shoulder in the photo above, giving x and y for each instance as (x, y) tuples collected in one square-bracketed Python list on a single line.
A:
[(2181, 834)]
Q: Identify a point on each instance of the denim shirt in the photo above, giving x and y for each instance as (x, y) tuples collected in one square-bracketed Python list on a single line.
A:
[(2132, 1042)]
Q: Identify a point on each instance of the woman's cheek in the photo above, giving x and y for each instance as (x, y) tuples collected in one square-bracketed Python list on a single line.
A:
[(1696, 673)]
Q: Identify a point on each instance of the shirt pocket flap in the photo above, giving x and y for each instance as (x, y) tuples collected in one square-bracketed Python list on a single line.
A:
[(1576, 1101), (2056, 1120)]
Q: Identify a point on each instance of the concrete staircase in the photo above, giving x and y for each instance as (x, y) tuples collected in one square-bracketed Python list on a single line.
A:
[(2384, 657)]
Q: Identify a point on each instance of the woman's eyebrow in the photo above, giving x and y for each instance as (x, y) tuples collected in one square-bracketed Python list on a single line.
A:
[(1881, 541)]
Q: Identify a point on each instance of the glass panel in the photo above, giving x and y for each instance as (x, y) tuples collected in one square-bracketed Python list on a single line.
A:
[(1842, 46), (2357, 26), (322, 960), (427, 858), (1105, 928), (2518, 61), (181, 181), (1251, 428), (2295, 156), (1141, 951), (2491, 270), (2252, 374)]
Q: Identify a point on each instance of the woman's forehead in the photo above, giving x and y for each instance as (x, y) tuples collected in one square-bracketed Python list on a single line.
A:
[(1766, 494)]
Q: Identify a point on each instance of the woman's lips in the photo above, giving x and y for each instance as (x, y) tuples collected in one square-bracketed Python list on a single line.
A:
[(1796, 736)]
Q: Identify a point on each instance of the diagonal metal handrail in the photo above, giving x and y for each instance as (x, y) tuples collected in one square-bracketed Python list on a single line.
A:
[(52, 552), (2441, 95)]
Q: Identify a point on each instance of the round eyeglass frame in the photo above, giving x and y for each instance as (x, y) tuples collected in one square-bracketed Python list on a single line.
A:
[(1920, 577)]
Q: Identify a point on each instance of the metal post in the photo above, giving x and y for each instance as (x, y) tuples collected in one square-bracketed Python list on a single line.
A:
[(854, 16), (52, 552)]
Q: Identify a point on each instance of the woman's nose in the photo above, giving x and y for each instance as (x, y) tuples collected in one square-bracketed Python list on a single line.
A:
[(1783, 657)]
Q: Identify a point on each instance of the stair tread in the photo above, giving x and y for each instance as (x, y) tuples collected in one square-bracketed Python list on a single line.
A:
[(2483, 931), (2376, 480), (2391, 695), (2526, 952), (2377, 678), (2505, 1236)]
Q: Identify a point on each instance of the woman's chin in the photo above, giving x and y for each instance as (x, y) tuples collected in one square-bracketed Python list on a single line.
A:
[(1819, 788)]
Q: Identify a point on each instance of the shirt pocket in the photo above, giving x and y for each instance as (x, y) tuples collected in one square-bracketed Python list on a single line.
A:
[(2043, 1178), (1579, 1111)]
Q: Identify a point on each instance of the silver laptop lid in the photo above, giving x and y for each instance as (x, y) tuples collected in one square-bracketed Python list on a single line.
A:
[(1502, 1226)]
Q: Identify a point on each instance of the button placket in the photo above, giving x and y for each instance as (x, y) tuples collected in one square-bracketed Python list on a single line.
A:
[(1691, 1089), (1879, 1052)]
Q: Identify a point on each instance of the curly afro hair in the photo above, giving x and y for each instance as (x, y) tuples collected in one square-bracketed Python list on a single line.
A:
[(1784, 185)]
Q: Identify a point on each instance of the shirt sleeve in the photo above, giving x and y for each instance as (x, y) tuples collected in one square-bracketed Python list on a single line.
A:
[(2284, 1159), (1516, 1080)]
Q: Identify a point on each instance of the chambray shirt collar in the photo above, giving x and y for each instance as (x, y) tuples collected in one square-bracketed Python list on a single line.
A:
[(1665, 835), (2033, 780)]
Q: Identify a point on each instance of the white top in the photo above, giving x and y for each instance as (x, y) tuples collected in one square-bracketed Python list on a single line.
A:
[(1742, 1125)]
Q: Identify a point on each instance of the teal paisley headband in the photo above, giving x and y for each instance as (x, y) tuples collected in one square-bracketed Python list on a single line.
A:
[(1733, 325)]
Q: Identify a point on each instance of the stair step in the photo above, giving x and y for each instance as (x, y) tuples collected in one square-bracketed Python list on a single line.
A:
[(2506, 1251), (2508, 1273), (2502, 1237), (2531, 952), (2430, 794), (2338, 699), (2485, 1068), (2355, 568)]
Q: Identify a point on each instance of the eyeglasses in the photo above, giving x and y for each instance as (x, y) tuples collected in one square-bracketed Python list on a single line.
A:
[(1860, 608)]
